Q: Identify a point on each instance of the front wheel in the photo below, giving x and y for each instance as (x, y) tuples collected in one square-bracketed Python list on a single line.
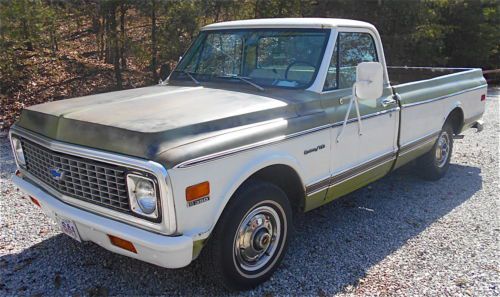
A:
[(434, 164), (251, 236)]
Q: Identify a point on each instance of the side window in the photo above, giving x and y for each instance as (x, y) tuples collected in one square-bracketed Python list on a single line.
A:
[(350, 50)]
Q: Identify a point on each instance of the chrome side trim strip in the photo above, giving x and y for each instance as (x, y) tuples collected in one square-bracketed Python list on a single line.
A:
[(432, 68), (229, 152), (168, 226), (367, 116), (251, 146), (348, 174), (415, 144), (442, 97)]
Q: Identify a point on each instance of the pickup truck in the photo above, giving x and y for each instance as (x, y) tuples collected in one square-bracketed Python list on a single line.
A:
[(259, 120)]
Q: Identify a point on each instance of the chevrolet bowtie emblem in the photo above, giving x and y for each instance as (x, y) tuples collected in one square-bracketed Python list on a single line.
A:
[(56, 173)]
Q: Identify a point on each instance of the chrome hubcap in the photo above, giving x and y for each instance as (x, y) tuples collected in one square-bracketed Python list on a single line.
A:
[(257, 238), (442, 149)]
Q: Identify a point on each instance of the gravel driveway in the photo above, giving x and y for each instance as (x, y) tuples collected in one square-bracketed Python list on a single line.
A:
[(399, 236)]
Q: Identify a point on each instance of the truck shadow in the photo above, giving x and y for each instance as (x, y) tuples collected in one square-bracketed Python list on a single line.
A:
[(334, 246)]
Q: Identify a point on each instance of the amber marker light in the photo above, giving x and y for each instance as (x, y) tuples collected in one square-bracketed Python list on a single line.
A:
[(122, 243), (197, 191)]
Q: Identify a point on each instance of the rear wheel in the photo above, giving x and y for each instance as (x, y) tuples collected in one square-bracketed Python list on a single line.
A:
[(250, 238), (434, 164)]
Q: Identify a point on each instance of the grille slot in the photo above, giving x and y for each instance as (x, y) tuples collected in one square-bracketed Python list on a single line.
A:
[(83, 179)]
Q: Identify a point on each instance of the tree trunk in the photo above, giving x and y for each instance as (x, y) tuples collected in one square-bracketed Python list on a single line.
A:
[(256, 13), (281, 8), (154, 49), (115, 48), (217, 10), (96, 23), (101, 36), (123, 37), (53, 40), (108, 33), (27, 37)]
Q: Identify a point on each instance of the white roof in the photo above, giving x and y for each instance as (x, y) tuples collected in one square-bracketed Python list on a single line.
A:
[(289, 23)]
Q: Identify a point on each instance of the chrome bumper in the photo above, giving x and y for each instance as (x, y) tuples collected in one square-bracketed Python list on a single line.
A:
[(161, 250)]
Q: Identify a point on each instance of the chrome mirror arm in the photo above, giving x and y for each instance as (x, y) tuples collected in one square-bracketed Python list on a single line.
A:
[(354, 99)]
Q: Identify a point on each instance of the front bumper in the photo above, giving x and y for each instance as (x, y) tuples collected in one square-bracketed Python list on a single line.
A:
[(161, 250)]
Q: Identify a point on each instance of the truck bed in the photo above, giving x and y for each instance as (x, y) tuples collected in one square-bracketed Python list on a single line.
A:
[(426, 94)]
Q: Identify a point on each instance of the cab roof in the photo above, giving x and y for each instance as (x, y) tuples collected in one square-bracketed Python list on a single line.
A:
[(321, 23)]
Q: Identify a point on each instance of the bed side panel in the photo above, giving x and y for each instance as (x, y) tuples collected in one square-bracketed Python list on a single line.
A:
[(426, 104)]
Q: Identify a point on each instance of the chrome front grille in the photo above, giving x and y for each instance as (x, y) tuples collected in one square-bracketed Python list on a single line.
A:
[(79, 178)]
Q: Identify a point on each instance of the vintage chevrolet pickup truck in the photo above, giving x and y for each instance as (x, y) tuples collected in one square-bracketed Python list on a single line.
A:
[(260, 119)]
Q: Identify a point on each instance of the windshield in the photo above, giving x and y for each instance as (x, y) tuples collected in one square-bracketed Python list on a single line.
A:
[(267, 57)]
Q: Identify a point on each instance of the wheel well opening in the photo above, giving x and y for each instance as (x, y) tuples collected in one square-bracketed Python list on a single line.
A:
[(287, 179), (456, 118)]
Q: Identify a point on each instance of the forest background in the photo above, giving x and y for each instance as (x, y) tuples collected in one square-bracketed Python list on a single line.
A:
[(52, 50)]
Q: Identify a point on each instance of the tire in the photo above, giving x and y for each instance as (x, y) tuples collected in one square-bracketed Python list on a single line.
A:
[(434, 164), (262, 211)]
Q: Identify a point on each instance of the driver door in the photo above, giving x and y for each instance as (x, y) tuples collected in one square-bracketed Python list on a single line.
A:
[(357, 158)]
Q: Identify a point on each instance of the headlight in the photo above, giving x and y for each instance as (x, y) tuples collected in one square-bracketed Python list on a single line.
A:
[(18, 151), (143, 197)]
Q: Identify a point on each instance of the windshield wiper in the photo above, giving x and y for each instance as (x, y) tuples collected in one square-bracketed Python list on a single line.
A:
[(244, 79), (190, 75)]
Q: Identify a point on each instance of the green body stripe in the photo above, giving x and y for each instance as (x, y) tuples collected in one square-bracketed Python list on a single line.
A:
[(347, 186), (412, 155), (197, 247)]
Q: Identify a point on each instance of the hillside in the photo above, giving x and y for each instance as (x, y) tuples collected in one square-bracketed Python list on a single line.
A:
[(74, 70), (52, 50)]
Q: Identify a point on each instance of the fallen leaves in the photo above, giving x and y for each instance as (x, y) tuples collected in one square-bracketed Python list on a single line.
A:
[(75, 70)]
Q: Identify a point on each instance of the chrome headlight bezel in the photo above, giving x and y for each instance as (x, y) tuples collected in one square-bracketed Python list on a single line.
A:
[(135, 206), (17, 150)]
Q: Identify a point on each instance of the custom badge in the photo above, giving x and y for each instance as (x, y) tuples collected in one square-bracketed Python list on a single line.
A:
[(198, 201)]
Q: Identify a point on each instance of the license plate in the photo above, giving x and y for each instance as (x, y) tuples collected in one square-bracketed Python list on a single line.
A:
[(68, 227)]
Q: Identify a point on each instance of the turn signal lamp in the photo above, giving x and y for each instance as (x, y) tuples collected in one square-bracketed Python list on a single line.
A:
[(197, 191), (122, 243)]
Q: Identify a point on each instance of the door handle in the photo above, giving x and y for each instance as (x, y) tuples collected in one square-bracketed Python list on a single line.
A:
[(343, 99), (388, 101)]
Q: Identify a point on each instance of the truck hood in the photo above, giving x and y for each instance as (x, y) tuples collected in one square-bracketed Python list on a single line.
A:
[(146, 121)]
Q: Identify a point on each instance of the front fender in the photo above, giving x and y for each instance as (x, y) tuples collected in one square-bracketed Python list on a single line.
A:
[(225, 175), (230, 170), (258, 163)]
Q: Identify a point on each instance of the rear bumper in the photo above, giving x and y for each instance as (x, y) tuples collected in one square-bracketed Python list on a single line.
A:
[(161, 250), (478, 125)]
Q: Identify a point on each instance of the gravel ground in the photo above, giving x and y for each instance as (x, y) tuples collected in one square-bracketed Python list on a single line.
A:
[(400, 236)]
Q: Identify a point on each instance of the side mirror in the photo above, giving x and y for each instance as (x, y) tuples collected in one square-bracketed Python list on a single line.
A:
[(369, 80), (164, 71)]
